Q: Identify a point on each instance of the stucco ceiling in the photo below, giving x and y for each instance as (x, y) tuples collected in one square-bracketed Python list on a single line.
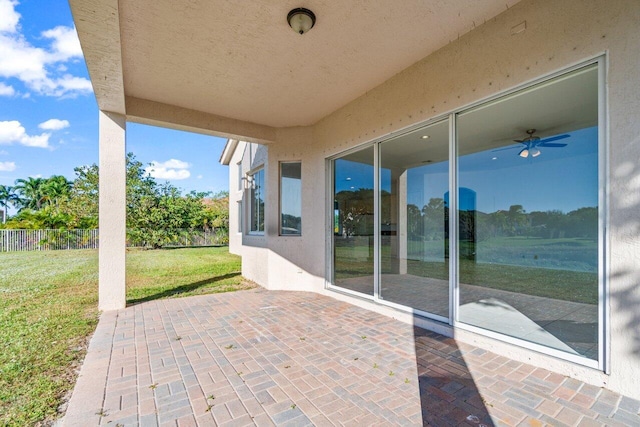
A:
[(241, 60)]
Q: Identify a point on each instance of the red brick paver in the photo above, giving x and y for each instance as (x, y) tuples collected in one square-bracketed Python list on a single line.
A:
[(295, 359)]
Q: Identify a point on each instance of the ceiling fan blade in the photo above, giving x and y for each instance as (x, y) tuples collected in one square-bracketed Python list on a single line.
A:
[(554, 138), (551, 144), (507, 148)]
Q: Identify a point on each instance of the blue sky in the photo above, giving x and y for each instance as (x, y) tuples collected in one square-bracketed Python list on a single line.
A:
[(561, 179), (49, 116)]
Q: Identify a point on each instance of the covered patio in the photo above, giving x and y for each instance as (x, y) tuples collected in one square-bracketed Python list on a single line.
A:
[(295, 358), (364, 76)]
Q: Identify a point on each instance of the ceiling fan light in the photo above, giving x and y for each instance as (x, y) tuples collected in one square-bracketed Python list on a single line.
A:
[(534, 152), (524, 153)]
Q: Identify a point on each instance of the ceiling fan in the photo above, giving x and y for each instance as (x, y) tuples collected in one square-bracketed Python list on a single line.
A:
[(532, 143)]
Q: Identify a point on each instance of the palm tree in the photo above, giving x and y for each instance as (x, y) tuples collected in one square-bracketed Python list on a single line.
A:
[(54, 188), (7, 197), (31, 192)]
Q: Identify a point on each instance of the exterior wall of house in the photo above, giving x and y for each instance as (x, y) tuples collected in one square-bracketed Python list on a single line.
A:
[(247, 158), (488, 60), (236, 194)]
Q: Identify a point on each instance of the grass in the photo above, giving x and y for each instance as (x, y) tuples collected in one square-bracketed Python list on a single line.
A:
[(540, 267), (181, 272), (48, 308), (566, 285)]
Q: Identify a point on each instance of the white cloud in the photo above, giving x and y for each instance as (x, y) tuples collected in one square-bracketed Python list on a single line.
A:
[(65, 43), (200, 177), (38, 67), (54, 124), (171, 164), (170, 174), (41, 141), (7, 166), (69, 83), (12, 131), (9, 18), (172, 169), (4, 153), (6, 90)]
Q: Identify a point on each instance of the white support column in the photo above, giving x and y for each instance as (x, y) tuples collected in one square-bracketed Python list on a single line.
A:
[(113, 178)]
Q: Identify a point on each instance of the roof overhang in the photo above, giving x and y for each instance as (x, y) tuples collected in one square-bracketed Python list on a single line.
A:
[(228, 151), (236, 68)]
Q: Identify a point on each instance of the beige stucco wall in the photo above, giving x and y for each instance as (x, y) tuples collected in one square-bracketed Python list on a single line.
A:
[(235, 196), (480, 64)]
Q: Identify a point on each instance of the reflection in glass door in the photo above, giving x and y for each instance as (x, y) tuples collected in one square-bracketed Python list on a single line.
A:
[(527, 209), (353, 221), (528, 205), (414, 181)]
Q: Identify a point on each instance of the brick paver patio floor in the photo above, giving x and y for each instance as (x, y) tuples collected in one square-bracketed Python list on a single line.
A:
[(293, 359)]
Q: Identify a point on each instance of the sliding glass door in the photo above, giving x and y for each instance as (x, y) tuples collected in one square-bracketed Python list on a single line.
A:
[(528, 214), (353, 221), (504, 238), (414, 181)]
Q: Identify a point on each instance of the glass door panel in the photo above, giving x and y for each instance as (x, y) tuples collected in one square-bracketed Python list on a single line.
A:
[(353, 221), (414, 182), (528, 214)]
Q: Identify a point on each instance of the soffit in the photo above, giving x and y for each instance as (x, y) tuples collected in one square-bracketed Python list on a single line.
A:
[(241, 60)]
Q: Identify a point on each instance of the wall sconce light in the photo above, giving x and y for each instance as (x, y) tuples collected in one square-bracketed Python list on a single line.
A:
[(301, 20)]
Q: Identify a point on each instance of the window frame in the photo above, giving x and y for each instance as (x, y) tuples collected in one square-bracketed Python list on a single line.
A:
[(250, 197), (280, 195), (240, 213)]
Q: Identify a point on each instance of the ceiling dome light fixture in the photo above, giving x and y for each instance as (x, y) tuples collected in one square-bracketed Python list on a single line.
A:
[(301, 20)]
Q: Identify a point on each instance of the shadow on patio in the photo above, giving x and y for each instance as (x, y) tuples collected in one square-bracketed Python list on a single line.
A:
[(448, 394)]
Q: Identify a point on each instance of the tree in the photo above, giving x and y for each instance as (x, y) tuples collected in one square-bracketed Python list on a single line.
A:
[(156, 213), (583, 222), (160, 216), (414, 222), (54, 189), (82, 202), (31, 192), (45, 218), (356, 211), (516, 218), (434, 219), (8, 197), (216, 212)]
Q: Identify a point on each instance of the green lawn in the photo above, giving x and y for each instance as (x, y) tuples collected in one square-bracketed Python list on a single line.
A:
[(48, 308), (552, 268)]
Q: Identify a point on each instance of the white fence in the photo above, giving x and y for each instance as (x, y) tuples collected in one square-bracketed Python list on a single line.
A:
[(48, 240)]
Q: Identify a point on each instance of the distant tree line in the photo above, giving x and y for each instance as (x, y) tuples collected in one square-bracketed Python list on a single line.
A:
[(155, 211), (429, 222)]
